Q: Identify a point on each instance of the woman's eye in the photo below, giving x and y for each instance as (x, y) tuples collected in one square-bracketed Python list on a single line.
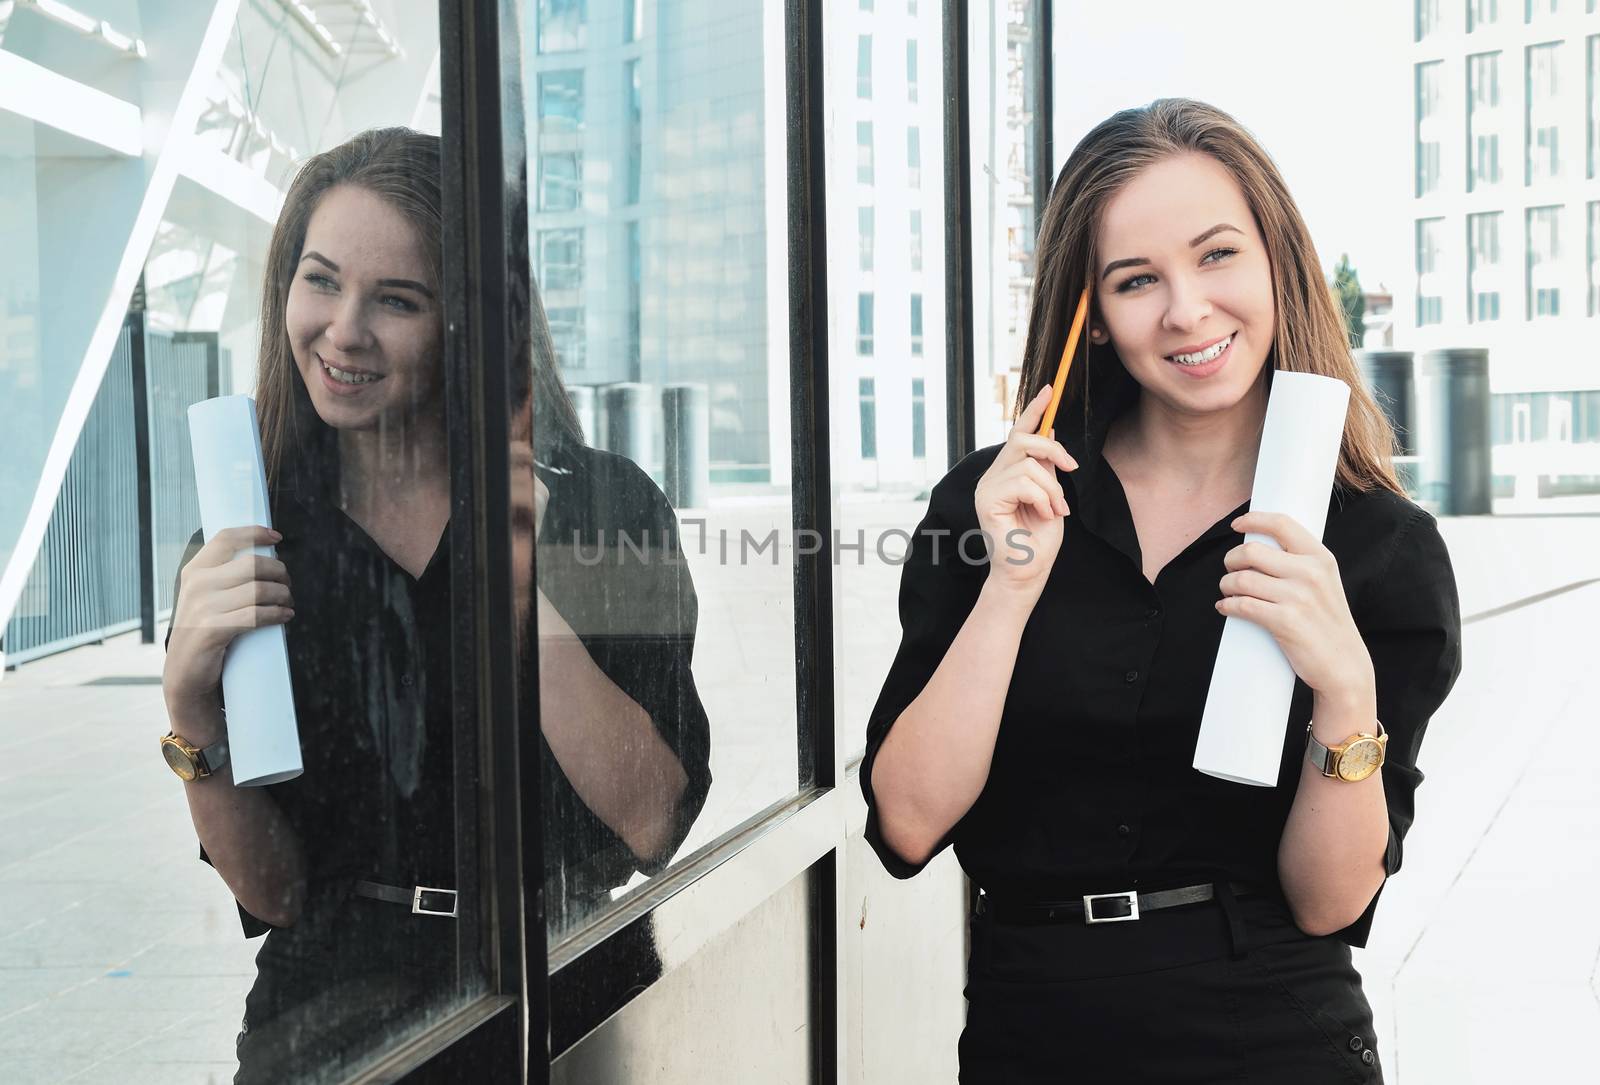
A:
[(317, 279), (399, 304), (1131, 284)]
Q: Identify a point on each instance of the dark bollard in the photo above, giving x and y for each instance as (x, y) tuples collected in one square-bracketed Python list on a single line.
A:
[(583, 402), (687, 408), (1390, 376), (1452, 409), (628, 421)]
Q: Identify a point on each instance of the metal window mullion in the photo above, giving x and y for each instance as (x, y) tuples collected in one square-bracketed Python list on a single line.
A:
[(961, 407), (811, 485)]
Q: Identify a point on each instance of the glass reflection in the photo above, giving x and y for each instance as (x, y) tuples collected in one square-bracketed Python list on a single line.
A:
[(350, 399), (660, 425)]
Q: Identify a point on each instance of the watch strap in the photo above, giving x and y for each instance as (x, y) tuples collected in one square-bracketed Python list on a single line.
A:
[(1325, 759), (214, 758)]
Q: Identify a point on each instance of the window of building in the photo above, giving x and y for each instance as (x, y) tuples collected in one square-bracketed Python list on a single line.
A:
[(864, 152), (919, 419), (1428, 19), (635, 131), (1430, 295), (1484, 269), (560, 180), (866, 5), (1484, 120), (1592, 48), (633, 22), (868, 400), (911, 70), (916, 325), (1429, 125), (864, 226), (914, 157), (916, 240), (864, 66), (560, 260), (1482, 13), (635, 325), (561, 24), (1538, 9), (560, 101), (1594, 258), (1543, 152), (864, 323), (1544, 262)]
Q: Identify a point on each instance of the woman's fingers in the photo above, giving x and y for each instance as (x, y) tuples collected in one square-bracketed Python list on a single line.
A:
[(245, 568), (253, 593), (1048, 450), (1020, 489), (256, 616), (221, 547), (1046, 479), (1027, 423)]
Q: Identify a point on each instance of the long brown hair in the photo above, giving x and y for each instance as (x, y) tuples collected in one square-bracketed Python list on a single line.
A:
[(1310, 336), (401, 166)]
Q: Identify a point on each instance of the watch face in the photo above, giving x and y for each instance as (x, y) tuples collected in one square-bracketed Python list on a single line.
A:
[(1360, 759), (178, 760)]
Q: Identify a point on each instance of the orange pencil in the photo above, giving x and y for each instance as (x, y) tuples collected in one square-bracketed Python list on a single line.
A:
[(1066, 363)]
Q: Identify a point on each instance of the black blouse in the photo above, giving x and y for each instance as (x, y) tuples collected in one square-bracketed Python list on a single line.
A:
[(369, 651), (1092, 787)]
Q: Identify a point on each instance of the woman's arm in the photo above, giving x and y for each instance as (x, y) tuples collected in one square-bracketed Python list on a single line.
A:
[(934, 761), (222, 592), (605, 742), (1330, 857), (244, 835)]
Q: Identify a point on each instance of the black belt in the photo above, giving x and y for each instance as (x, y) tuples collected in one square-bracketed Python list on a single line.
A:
[(421, 899), (1098, 907)]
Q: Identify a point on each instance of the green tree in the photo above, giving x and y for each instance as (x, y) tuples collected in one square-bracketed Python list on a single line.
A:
[(1347, 291)]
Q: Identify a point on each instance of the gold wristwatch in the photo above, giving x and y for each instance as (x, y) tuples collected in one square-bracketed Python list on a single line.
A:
[(191, 762), (1358, 757)]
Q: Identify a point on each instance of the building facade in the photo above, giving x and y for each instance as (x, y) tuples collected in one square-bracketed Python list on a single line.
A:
[(1506, 223)]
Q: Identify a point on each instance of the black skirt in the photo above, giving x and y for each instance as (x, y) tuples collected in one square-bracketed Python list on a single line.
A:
[(1226, 991), (351, 979)]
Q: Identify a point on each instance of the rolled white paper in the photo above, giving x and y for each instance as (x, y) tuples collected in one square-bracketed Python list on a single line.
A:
[(231, 481), (1252, 683)]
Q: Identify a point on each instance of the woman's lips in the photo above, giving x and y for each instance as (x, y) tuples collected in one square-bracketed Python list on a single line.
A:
[(344, 388)]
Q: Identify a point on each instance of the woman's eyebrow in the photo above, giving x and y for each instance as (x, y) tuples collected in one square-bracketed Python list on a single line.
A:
[(1136, 260), (409, 284)]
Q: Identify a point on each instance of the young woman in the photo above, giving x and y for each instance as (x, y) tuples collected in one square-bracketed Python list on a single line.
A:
[(1043, 708), (351, 403)]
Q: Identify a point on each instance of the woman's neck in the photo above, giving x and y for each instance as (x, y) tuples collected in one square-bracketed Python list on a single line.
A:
[(393, 464), (1193, 453)]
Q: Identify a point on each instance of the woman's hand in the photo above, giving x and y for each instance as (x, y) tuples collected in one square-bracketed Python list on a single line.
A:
[(1296, 595), (223, 591), (1021, 506)]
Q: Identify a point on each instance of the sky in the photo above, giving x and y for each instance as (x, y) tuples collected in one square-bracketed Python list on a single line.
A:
[(1325, 88)]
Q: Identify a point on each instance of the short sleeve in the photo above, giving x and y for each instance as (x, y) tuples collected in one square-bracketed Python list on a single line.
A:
[(636, 616), (1410, 620), (939, 585), (253, 927)]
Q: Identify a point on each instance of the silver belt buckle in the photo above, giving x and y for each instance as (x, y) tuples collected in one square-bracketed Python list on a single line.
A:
[(1131, 896), (418, 909)]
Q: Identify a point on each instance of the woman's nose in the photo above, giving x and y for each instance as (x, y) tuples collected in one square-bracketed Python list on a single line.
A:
[(1188, 306), (349, 331)]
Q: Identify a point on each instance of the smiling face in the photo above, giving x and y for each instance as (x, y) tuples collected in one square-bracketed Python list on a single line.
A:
[(1188, 272), (362, 315)]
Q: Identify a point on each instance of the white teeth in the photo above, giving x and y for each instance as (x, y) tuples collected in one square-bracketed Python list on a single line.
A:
[(344, 376), (1204, 356)]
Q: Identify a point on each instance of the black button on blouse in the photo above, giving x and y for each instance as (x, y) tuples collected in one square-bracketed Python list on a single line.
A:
[(1103, 712)]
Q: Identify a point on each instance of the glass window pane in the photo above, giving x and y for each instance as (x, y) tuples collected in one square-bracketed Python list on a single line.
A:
[(128, 958), (888, 322), (660, 449)]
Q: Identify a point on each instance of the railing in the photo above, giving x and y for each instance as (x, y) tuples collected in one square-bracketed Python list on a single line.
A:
[(121, 520)]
